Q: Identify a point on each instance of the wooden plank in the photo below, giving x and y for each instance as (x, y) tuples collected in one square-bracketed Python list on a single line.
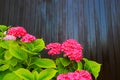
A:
[(110, 41), (2, 11)]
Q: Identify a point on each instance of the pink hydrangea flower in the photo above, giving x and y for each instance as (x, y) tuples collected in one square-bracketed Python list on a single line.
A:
[(28, 38), (72, 49), (17, 31), (9, 37), (63, 77), (84, 75), (54, 48), (77, 75)]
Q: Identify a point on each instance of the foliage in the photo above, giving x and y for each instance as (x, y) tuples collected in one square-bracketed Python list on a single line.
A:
[(20, 57)]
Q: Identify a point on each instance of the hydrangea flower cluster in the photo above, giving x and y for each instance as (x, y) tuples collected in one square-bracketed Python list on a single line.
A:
[(71, 48), (9, 37), (19, 32), (54, 48), (77, 75), (28, 38)]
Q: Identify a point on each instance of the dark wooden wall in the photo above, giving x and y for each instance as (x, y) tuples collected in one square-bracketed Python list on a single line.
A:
[(94, 23)]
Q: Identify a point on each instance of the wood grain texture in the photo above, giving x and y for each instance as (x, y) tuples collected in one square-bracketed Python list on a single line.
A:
[(93, 23)]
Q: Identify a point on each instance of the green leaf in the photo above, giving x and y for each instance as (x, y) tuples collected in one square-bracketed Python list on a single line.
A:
[(3, 73), (7, 55), (92, 67), (2, 34), (24, 74), (2, 61), (28, 46), (2, 51), (44, 63), (80, 66), (38, 45), (65, 61), (14, 68), (47, 74), (35, 74), (34, 47), (28, 51), (4, 67), (60, 67), (13, 62), (11, 76), (6, 44), (17, 52), (3, 28)]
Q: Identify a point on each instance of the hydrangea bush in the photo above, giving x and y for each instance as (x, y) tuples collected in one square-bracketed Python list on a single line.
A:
[(20, 58)]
